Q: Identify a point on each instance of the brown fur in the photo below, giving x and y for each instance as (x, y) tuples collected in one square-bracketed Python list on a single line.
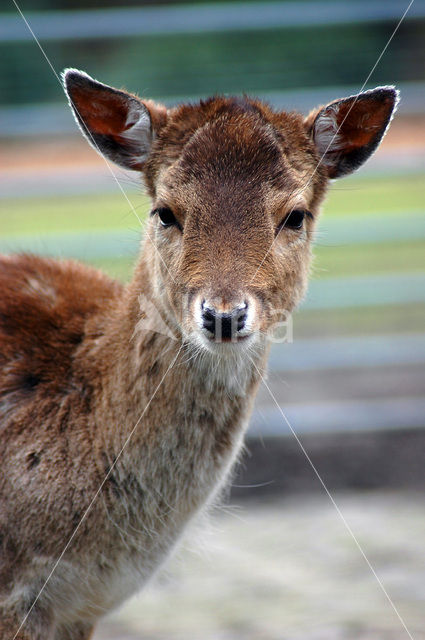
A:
[(79, 374)]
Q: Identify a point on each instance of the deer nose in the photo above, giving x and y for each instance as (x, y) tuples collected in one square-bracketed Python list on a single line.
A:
[(224, 326)]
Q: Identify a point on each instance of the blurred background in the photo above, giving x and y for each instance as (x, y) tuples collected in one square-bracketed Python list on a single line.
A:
[(279, 561)]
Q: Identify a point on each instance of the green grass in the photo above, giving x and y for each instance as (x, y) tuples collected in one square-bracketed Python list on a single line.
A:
[(112, 211), (119, 268), (71, 213), (359, 321), (376, 195), (368, 258)]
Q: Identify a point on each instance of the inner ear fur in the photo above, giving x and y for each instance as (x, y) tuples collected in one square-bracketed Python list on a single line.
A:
[(347, 132), (117, 124)]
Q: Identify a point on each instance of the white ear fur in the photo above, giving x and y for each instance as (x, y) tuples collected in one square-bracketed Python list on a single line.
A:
[(326, 135), (139, 133)]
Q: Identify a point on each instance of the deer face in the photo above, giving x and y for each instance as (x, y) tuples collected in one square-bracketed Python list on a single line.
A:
[(231, 221), (236, 189)]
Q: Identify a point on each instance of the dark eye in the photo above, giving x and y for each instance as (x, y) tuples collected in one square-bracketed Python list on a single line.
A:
[(293, 220), (166, 217)]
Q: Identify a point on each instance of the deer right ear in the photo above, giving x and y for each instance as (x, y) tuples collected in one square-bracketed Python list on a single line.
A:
[(117, 124), (346, 132)]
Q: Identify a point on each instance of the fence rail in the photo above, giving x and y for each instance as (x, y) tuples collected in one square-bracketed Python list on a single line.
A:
[(289, 53), (54, 119), (234, 16)]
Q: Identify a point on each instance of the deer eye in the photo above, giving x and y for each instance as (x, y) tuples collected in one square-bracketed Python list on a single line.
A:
[(294, 220), (166, 217)]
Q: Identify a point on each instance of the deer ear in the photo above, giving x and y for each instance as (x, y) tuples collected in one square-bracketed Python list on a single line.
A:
[(117, 124), (346, 132)]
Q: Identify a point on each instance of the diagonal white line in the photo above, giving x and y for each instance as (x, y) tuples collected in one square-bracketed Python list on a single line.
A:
[(301, 191), (96, 495), (331, 498), (111, 171)]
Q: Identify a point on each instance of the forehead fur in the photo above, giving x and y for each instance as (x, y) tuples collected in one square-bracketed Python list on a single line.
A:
[(233, 139)]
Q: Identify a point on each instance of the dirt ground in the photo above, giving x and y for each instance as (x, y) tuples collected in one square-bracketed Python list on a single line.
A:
[(290, 570)]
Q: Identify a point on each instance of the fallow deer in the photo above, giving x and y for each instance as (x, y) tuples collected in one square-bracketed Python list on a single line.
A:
[(114, 435)]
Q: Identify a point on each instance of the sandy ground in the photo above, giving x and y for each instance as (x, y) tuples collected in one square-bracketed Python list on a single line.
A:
[(290, 570)]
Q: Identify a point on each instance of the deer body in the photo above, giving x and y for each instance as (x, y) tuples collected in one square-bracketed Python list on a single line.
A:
[(160, 480), (115, 433)]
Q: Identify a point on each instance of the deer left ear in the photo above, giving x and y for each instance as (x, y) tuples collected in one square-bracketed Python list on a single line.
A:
[(346, 132), (117, 124)]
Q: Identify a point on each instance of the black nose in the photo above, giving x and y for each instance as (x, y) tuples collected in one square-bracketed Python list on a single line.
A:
[(224, 326)]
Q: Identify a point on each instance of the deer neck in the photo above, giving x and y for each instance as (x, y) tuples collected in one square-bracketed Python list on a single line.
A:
[(188, 410)]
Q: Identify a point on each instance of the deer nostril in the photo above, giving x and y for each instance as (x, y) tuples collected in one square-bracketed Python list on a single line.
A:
[(209, 319), (241, 319), (224, 325)]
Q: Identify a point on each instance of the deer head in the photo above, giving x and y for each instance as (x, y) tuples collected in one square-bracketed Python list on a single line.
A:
[(236, 189)]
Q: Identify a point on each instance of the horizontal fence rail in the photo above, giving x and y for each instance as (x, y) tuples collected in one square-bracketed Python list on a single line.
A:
[(151, 21), (54, 119), (395, 349), (339, 403), (288, 53), (333, 417)]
